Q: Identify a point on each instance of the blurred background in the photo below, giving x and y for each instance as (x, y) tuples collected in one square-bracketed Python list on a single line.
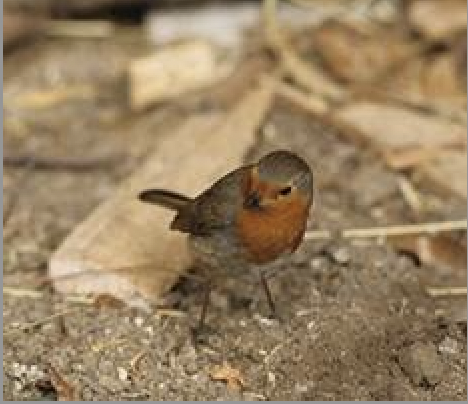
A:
[(371, 93)]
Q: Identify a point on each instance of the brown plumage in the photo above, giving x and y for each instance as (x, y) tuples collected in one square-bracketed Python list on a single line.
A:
[(251, 216)]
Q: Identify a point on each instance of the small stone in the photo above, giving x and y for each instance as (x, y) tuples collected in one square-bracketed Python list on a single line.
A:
[(138, 321), (301, 388), (317, 263), (449, 346), (341, 255), (271, 378), (219, 300), (268, 322), (18, 385), (123, 374), (422, 364), (149, 330)]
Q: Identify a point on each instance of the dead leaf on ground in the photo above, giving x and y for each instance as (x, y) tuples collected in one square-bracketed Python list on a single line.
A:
[(448, 171), (443, 251), (379, 50), (438, 19), (387, 127), (106, 300), (65, 390), (436, 82), (230, 375), (408, 157)]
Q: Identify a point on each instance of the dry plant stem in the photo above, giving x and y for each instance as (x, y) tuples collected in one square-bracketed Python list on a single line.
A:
[(388, 231), (447, 291), (79, 29), (60, 164), (45, 320), (305, 75)]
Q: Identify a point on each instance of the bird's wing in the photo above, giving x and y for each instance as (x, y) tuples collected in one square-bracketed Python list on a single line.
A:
[(214, 209)]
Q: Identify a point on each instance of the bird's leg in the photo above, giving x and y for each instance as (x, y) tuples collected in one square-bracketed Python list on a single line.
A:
[(268, 294), (206, 301)]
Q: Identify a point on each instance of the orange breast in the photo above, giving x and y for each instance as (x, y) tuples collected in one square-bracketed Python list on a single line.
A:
[(266, 234)]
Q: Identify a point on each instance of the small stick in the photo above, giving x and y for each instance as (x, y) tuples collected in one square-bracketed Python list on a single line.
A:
[(398, 230), (268, 294), (34, 294), (79, 29), (65, 164), (447, 291), (28, 326), (206, 302)]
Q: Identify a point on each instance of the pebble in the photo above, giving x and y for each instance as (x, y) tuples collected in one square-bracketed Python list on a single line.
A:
[(422, 363), (265, 321), (271, 378), (449, 346), (123, 374), (138, 321), (341, 255)]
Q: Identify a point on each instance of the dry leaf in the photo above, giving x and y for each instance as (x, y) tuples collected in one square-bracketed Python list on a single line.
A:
[(65, 391), (438, 19), (448, 171), (379, 49), (407, 157), (441, 250), (387, 127), (106, 300), (228, 374)]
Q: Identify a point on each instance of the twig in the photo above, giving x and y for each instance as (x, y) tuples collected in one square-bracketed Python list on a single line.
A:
[(306, 75), (34, 294), (79, 29), (411, 196), (60, 164), (387, 231), (447, 291), (28, 326)]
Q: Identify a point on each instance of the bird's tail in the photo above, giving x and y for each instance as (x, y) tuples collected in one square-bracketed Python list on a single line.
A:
[(167, 199)]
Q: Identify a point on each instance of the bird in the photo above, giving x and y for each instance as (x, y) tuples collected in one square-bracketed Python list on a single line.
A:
[(248, 218)]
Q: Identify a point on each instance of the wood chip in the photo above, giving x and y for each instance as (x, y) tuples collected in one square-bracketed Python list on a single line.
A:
[(64, 389), (230, 375), (174, 71)]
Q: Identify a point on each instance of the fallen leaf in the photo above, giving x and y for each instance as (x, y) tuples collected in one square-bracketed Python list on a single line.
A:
[(448, 171), (438, 19), (386, 127), (379, 50), (65, 391), (228, 374), (444, 251), (106, 300)]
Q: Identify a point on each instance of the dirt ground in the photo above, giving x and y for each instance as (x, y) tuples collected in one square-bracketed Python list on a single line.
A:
[(357, 322)]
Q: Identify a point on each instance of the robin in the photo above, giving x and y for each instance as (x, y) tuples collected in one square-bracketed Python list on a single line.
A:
[(248, 218)]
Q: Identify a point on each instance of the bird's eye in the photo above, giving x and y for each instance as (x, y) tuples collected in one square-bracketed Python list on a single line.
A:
[(285, 191)]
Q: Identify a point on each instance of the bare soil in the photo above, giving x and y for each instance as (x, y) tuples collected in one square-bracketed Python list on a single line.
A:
[(357, 322)]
